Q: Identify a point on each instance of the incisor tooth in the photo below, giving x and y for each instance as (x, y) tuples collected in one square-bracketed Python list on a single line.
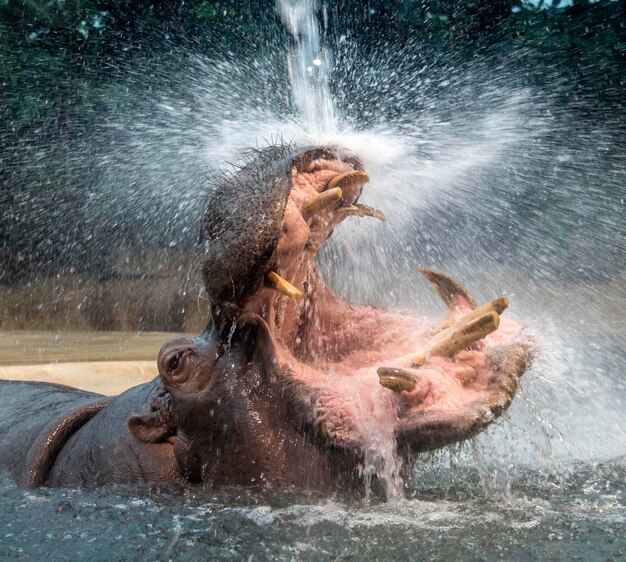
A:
[(359, 210), (275, 281), (321, 201), (497, 305), (459, 336), (396, 379), (348, 179)]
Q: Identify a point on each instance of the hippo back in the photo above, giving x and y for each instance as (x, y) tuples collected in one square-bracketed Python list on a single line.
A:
[(35, 421), (104, 451)]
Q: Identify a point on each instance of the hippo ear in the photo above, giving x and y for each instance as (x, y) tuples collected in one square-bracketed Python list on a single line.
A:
[(149, 428), (156, 422)]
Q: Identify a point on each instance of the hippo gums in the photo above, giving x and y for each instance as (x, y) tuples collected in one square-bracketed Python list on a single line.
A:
[(288, 383)]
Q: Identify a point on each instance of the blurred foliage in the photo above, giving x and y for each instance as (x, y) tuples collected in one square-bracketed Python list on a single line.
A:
[(59, 58), (52, 53)]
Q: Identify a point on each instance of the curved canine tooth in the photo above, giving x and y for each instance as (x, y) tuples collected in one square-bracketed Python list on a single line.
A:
[(460, 335), (359, 210), (275, 281), (396, 379), (447, 288), (348, 179), (311, 248), (321, 201)]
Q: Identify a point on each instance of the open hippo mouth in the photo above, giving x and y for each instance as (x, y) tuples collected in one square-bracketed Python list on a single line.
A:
[(287, 366)]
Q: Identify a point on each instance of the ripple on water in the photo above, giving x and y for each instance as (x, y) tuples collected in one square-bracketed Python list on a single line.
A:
[(582, 515)]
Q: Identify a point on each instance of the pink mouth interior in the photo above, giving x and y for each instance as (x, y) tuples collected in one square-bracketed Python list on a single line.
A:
[(336, 347)]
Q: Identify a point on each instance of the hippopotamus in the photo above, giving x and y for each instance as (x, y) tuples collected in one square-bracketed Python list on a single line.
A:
[(289, 383)]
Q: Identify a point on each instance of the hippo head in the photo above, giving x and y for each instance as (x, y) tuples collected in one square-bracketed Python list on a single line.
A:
[(291, 386)]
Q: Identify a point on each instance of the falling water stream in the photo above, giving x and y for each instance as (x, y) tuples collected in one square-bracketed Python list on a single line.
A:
[(309, 67), (481, 177)]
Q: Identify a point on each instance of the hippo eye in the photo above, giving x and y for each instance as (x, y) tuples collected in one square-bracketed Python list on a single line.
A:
[(176, 363)]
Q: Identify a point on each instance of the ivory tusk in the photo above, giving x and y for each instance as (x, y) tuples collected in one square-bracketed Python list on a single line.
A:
[(497, 305), (275, 281), (459, 336), (447, 288), (348, 179), (396, 379), (321, 201), (359, 210)]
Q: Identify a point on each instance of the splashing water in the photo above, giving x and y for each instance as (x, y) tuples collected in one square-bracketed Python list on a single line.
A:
[(497, 183), (489, 180)]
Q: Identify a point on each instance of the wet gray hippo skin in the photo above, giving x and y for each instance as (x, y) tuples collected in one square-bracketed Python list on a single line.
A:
[(288, 383)]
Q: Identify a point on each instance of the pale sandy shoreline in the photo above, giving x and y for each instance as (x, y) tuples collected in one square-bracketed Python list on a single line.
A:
[(103, 362), (103, 377), (31, 347)]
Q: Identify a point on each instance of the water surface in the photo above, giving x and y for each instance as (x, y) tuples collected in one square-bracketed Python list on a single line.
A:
[(581, 516)]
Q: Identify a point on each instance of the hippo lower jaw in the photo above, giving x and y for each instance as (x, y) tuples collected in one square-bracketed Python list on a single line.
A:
[(344, 368), (366, 374)]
